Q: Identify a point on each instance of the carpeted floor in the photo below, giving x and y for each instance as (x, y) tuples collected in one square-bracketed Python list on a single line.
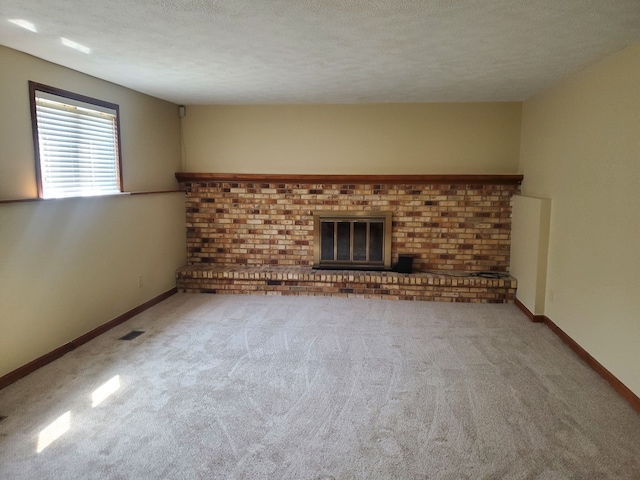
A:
[(258, 387)]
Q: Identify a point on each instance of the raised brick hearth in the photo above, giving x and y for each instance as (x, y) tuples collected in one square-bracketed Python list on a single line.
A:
[(254, 234), (344, 283)]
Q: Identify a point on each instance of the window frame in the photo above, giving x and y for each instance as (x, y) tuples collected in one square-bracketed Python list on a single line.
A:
[(65, 94)]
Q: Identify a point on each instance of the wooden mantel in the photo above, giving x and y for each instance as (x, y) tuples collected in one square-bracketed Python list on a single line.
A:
[(492, 179)]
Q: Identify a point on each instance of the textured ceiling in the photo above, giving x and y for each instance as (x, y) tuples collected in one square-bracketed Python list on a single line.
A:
[(325, 51)]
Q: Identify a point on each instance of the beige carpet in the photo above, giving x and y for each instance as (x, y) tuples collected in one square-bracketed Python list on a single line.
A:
[(258, 387)]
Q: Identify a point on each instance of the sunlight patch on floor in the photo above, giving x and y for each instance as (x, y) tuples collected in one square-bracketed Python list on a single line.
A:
[(105, 390), (54, 431)]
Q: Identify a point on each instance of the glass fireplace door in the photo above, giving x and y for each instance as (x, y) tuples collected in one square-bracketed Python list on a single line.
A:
[(346, 240)]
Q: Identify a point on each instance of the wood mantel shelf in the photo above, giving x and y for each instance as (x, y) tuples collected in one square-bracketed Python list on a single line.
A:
[(492, 179)]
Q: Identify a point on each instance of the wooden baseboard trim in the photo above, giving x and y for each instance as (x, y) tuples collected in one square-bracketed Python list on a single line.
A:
[(122, 318), (34, 365), (39, 362), (531, 316), (617, 385)]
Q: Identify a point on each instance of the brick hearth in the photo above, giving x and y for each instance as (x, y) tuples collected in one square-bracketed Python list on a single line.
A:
[(456, 287)]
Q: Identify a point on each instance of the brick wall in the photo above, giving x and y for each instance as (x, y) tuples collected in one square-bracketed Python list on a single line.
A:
[(453, 226)]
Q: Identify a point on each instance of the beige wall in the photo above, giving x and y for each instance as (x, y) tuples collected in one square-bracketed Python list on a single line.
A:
[(353, 139), (581, 148), (150, 128), (70, 265), (529, 248)]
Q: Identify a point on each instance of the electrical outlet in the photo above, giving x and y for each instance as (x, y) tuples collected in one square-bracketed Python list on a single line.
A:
[(139, 280)]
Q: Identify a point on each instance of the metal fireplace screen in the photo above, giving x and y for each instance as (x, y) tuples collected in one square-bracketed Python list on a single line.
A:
[(355, 240)]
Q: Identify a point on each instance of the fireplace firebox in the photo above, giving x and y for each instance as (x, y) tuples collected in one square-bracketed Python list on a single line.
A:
[(352, 240)]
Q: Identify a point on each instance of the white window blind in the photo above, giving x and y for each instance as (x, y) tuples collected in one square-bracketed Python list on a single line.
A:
[(78, 147)]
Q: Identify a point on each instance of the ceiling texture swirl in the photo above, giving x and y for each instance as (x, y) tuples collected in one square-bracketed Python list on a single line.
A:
[(324, 51)]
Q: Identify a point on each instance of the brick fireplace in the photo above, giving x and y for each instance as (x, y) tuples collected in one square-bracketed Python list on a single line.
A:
[(450, 224)]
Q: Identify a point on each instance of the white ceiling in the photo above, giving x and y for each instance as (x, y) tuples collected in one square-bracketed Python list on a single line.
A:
[(325, 51)]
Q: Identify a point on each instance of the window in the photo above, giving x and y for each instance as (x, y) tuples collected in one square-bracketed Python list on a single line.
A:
[(77, 143)]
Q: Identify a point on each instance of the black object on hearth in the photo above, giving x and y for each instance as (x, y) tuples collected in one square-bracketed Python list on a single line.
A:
[(404, 265)]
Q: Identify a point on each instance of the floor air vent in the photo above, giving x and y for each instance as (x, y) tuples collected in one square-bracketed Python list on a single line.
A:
[(132, 334)]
